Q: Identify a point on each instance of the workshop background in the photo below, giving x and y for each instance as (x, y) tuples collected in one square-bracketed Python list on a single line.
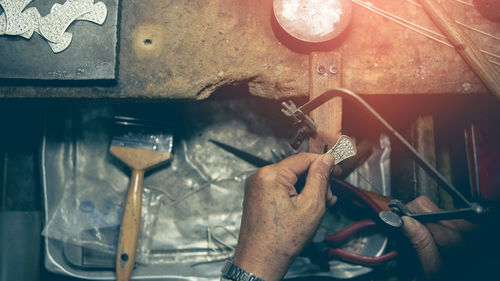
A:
[(203, 75)]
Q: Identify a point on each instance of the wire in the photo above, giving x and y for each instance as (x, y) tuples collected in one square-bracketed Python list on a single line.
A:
[(226, 250), (465, 3), (478, 30), (407, 21), (378, 190), (385, 15), (461, 23), (219, 240), (415, 27)]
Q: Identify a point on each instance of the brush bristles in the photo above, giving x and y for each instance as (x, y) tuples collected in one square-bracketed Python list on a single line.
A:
[(139, 133)]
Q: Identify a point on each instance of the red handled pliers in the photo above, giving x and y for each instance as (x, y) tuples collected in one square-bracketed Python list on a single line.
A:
[(328, 249), (375, 203)]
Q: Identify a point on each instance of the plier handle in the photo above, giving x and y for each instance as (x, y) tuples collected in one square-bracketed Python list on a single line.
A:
[(344, 234), (374, 203)]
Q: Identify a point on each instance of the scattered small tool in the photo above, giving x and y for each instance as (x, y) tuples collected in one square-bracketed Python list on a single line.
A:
[(343, 149), (471, 213), (141, 146), (374, 204), (243, 155)]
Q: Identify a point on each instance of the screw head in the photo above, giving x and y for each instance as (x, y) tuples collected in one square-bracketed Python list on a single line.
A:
[(333, 70), (321, 69)]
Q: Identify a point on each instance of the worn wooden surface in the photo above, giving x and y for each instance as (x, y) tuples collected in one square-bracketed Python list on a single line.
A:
[(324, 74), (465, 46), (187, 49)]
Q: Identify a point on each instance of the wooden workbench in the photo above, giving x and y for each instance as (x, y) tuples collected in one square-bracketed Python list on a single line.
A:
[(187, 49)]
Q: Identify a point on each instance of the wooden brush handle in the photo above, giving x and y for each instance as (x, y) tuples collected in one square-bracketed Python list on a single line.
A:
[(328, 116), (464, 46), (130, 228)]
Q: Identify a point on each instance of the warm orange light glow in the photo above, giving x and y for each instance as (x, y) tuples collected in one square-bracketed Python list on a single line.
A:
[(317, 17)]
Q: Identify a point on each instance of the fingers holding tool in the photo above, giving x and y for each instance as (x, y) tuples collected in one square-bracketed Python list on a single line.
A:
[(277, 222), (423, 243)]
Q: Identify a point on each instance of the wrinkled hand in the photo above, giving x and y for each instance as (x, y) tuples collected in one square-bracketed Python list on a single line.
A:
[(433, 239), (277, 222)]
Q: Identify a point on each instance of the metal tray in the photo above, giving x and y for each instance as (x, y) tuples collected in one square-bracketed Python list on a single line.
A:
[(74, 154)]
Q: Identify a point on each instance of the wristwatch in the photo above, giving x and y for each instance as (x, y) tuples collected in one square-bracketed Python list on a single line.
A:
[(231, 272)]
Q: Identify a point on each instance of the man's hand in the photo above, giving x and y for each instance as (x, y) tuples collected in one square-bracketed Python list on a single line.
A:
[(431, 240), (277, 222)]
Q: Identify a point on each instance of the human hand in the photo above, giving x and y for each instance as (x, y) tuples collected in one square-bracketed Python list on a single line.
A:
[(432, 240), (277, 222)]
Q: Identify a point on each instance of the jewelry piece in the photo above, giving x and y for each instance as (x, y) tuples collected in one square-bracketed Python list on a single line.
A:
[(343, 149), (63, 43), (3, 23), (33, 17), (97, 15), (54, 24), (16, 21)]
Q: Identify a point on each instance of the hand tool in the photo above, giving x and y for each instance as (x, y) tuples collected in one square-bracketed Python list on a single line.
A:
[(141, 145), (300, 117), (243, 155), (321, 253), (387, 210), (327, 249), (388, 213), (343, 149)]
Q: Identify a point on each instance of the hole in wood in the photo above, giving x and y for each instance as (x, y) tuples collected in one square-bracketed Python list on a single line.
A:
[(124, 257)]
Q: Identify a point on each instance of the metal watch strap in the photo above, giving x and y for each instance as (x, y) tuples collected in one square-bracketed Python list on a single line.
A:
[(232, 272)]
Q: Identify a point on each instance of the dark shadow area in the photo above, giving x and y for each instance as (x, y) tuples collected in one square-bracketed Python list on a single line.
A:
[(58, 83)]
